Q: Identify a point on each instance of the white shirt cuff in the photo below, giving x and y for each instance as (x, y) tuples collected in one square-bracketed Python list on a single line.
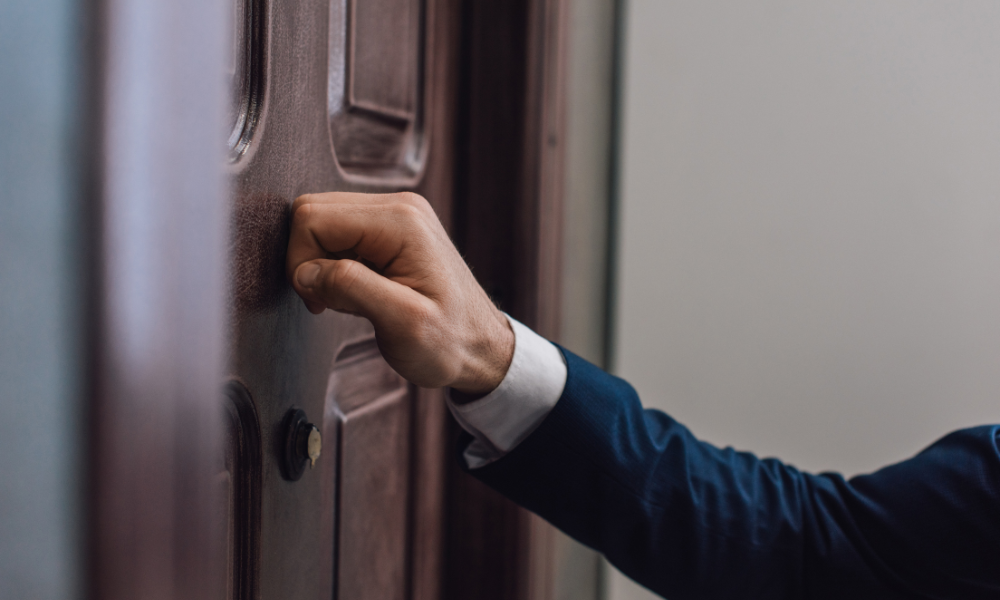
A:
[(503, 418)]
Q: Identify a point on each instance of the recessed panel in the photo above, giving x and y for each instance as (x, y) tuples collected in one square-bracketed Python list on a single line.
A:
[(374, 493), (376, 88), (360, 375), (384, 53), (370, 406)]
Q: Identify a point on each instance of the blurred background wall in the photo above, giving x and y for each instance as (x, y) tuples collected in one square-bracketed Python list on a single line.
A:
[(41, 298), (808, 259)]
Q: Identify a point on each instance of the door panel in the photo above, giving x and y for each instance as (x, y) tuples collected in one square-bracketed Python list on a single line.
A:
[(343, 104), (377, 87), (370, 407), (374, 488)]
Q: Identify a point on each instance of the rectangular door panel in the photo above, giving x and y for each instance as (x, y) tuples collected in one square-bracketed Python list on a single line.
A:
[(368, 409), (374, 490), (377, 89), (384, 70)]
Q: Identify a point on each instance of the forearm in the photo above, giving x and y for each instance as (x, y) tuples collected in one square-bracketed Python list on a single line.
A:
[(680, 516)]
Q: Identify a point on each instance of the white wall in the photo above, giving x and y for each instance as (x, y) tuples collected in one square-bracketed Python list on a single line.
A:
[(809, 257), (589, 83)]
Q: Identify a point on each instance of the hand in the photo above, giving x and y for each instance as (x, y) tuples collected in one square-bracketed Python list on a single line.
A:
[(387, 258)]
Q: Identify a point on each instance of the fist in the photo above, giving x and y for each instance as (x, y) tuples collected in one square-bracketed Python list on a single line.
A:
[(387, 258)]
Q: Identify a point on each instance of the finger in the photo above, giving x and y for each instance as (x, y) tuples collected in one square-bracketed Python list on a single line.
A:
[(336, 198), (377, 233), (351, 287), (357, 198)]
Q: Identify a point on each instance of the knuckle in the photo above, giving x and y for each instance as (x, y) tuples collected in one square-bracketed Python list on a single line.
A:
[(303, 200), (412, 199), (407, 213), (416, 201), (303, 213), (341, 275)]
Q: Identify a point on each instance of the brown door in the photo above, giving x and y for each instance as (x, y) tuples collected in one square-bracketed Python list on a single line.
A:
[(455, 100), (342, 95)]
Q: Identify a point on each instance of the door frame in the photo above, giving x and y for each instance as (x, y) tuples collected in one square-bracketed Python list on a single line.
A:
[(508, 225)]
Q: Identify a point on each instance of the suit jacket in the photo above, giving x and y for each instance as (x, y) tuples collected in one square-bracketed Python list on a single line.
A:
[(690, 520)]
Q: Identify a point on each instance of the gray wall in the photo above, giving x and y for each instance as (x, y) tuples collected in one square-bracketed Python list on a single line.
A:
[(809, 264), (588, 160), (39, 300)]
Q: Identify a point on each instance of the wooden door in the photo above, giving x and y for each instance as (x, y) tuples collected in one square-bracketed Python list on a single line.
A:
[(208, 379), (340, 95)]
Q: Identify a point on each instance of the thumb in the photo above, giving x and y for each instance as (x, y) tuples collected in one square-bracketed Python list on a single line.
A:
[(347, 285)]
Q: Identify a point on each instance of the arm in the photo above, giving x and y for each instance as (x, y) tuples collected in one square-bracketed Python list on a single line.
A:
[(689, 520), (680, 516), (502, 419)]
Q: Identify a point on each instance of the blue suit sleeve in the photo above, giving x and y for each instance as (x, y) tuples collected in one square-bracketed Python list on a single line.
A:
[(692, 521)]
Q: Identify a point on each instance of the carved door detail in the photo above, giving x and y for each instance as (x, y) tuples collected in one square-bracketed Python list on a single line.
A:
[(376, 82)]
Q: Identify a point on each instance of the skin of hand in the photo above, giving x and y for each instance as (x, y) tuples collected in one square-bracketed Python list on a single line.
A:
[(386, 257)]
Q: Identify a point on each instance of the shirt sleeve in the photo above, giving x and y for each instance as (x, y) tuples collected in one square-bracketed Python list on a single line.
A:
[(503, 418)]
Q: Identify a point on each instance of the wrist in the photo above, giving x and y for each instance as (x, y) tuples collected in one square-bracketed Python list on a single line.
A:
[(487, 360)]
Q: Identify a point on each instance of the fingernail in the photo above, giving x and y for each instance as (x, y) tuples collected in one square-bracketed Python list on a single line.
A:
[(307, 275)]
